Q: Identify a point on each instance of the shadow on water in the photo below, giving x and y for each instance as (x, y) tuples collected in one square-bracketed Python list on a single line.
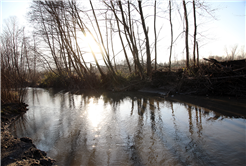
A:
[(130, 128)]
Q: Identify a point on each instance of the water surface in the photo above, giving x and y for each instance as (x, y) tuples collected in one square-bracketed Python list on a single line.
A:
[(129, 129)]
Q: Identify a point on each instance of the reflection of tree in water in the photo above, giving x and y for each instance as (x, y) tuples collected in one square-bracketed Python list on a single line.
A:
[(198, 121), (190, 120), (141, 106), (195, 115), (133, 100), (71, 100), (152, 112), (20, 126), (203, 112), (35, 94), (195, 145), (154, 122)]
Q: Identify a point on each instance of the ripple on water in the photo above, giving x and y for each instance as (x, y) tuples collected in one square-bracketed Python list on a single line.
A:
[(130, 129)]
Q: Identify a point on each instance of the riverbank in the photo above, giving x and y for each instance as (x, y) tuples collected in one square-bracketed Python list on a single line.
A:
[(18, 151), (213, 79)]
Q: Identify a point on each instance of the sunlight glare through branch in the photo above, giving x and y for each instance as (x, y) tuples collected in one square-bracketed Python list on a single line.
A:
[(92, 43)]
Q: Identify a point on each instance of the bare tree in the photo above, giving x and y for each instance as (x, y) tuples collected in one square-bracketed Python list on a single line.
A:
[(197, 52), (59, 25), (99, 31), (112, 8), (131, 42), (149, 70), (233, 51), (186, 34), (171, 26), (195, 32), (155, 34), (16, 61)]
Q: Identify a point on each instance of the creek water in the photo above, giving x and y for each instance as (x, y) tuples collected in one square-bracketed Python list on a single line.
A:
[(127, 128)]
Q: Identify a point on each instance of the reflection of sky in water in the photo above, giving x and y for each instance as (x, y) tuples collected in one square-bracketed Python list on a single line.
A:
[(129, 129)]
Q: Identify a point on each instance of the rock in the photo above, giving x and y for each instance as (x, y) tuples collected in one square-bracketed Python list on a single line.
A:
[(39, 154), (26, 139), (46, 161)]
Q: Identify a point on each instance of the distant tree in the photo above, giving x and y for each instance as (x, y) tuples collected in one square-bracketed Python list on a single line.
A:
[(233, 51)]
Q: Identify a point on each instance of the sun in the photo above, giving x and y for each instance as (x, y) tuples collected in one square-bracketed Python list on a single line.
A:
[(92, 44)]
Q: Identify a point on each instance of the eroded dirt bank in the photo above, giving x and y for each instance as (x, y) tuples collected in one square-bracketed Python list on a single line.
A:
[(18, 151)]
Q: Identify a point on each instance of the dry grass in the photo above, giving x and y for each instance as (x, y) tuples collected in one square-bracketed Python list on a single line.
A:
[(12, 88)]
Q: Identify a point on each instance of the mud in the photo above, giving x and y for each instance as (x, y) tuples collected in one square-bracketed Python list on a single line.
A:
[(18, 151)]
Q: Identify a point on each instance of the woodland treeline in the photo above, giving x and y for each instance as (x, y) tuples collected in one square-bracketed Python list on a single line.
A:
[(59, 45)]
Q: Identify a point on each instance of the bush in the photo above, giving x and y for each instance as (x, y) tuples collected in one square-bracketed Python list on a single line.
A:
[(12, 87), (53, 80)]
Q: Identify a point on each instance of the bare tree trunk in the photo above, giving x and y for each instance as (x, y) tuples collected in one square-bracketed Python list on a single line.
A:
[(186, 34), (107, 55), (195, 31), (82, 28), (119, 32), (132, 46), (149, 70), (135, 44), (112, 43), (171, 25), (155, 34), (35, 59), (197, 52)]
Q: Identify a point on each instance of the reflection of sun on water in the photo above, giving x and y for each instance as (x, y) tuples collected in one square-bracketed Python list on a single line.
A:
[(94, 111)]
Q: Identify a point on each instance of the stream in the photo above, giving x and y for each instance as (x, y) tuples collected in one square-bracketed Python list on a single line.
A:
[(129, 128)]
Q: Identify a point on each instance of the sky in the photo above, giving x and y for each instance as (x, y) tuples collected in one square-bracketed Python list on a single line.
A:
[(229, 30), (14, 8), (226, 31)]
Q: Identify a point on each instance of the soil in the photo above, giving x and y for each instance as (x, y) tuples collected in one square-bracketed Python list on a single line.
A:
[(18, 151)]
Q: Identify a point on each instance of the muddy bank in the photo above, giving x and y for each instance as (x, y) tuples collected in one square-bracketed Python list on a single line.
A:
[(18, 151)]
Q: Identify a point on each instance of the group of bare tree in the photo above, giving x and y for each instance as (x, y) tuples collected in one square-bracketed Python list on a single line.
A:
[(61, 24), (18, 61), (62, 28)]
